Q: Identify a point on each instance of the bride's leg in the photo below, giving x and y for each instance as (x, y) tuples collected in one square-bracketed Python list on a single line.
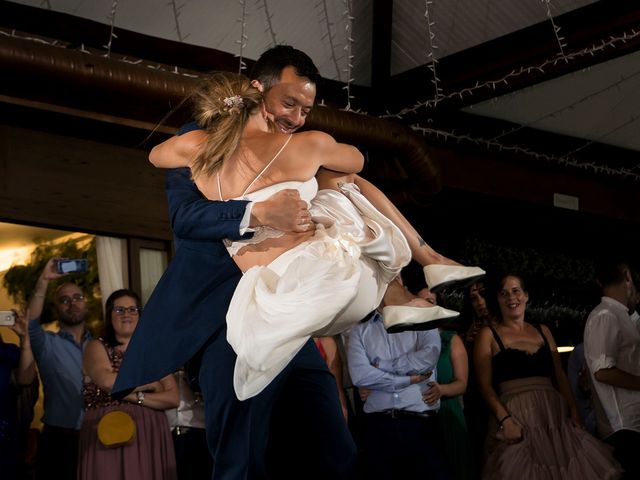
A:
[(420, 250), (440, 272)]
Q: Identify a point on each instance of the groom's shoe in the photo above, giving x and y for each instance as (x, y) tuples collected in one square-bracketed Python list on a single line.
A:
[(440, 277), (402, 317)]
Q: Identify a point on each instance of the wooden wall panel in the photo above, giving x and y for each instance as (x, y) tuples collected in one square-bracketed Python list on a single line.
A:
[(70, 183)]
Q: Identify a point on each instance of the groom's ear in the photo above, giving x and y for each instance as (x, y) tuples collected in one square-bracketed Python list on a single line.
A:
[(258, 85)]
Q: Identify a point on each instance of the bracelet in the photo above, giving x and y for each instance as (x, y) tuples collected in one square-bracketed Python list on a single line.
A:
[(39, 295), (501, 422)]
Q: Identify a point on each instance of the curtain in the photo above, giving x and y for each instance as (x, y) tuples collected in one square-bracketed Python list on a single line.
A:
[(112, 265)]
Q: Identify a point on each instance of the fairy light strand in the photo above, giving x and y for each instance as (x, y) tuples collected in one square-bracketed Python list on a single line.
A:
[(556, 30), (591, 95), (564, 160), (268, 16), (348, 13), (176, 10), (112, 24), (83, 49), (243, 36), (595, 48), (431, 53), (632, 120), (324, 12)]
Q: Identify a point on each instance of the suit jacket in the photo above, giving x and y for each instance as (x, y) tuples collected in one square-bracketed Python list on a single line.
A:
[(189, 305)]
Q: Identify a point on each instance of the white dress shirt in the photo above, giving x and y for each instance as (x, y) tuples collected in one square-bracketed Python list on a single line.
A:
[(612, 340)]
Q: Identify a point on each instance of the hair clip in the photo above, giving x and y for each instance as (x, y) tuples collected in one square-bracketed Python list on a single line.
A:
[(233, 104)]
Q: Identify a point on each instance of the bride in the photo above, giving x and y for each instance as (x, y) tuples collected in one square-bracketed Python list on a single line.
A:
[(294, 285)]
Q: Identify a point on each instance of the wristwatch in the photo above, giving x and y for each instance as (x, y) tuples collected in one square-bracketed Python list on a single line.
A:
[(140, 398)]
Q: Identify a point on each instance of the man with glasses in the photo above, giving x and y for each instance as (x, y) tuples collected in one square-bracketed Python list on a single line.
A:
[(59, 359)]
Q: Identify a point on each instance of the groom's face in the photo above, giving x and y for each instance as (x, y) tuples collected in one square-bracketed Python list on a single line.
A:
[(290, 100)]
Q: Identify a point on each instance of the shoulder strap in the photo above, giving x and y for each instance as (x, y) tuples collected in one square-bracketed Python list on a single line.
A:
[(497, 337), (544, 337), (267, 166)]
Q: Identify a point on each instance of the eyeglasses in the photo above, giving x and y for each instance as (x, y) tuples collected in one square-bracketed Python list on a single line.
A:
[(129, 310), (78, 297)]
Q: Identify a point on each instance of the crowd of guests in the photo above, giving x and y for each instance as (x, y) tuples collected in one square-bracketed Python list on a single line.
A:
[(486, 396)]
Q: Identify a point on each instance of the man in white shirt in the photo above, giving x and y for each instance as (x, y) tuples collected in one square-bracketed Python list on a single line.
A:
[(612, 353)]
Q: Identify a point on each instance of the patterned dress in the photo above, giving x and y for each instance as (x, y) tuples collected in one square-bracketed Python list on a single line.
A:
[(150, 456)]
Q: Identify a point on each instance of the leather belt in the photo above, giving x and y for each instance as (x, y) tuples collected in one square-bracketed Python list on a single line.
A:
[(395, 413)]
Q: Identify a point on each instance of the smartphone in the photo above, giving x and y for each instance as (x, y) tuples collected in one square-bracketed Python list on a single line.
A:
[(7, 318), (78, 265)]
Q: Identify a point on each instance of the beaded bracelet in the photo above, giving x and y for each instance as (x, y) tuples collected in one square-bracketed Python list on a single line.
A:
[(501, 422)]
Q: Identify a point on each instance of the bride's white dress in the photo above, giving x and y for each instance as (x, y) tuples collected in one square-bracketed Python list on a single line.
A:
[(320, 287)]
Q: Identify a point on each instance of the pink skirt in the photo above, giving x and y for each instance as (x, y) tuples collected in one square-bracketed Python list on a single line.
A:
[(149, 457), (552, 447)]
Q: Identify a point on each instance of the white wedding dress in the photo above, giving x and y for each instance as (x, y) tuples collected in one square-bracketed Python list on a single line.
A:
[(320, 287)]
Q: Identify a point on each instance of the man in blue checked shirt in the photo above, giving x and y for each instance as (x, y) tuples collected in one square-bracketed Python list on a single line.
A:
[(400, 437)]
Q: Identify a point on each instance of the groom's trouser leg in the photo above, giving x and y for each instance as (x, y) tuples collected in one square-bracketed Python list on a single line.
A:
[(309, 435)]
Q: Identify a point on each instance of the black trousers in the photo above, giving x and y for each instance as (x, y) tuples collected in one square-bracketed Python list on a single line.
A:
[(402, 447), (626, 449), (57, 453)]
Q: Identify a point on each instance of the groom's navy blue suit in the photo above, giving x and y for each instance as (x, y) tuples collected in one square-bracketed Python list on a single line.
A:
[(186, 314)]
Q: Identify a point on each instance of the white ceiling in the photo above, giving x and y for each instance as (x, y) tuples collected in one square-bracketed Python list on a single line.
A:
[(595, 104), (305, 24), (601, 104)]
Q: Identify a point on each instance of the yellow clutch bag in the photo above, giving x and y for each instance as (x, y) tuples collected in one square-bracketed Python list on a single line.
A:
[(116, 429)]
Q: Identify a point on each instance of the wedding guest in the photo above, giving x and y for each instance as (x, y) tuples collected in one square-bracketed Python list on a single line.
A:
[(149, 454)]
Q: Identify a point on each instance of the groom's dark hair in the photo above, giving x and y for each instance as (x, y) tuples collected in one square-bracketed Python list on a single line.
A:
[(269, 66)]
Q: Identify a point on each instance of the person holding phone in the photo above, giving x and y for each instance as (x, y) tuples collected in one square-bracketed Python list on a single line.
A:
[(59, 359), (16, 369)]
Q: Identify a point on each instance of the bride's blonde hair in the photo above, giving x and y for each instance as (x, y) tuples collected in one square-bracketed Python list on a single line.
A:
[(222, 104)]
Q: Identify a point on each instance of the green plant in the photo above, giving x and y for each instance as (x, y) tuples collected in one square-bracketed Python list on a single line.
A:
[(20, 280)]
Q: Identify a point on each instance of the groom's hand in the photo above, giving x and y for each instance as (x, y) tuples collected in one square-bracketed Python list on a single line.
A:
[(284, 211)]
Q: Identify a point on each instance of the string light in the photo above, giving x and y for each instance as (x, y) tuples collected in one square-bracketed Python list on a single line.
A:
[(263, 4), (613, 41), (176, 10), (431, 54), (243, 36), (347, 48), (560, 160), (324, 12), (112, 22), (556, 30), (591, 95), (83, 49)]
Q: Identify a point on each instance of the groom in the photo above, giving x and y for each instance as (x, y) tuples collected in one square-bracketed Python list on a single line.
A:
[(186, 315)]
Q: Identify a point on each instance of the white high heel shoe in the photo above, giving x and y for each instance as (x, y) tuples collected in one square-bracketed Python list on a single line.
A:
[(400, 318), (440, 277)]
